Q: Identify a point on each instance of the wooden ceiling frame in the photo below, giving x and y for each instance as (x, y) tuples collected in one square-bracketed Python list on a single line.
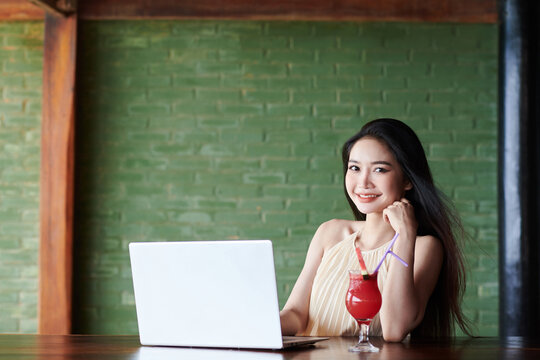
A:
[(57, 174), (463, 11), (57, 7)]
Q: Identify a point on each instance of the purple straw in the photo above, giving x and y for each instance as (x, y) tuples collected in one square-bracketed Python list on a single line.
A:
[(388, 251)]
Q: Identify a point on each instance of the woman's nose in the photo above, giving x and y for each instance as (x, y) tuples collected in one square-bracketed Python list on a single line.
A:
[(363, 180)]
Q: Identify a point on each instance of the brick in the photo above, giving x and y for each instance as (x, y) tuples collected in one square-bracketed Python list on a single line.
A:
[(408, 96), (453, 123), (217, 204), (360, 96), (217, 95), (195, 108), (338, 82), (315, 96), (286, 28), (310, 178), (286, 163), (146, 109), (285, 218), (311, 69), (262, 178), (290, 56), (211, 67), (386, 56), (238, 218), (218, 177), (242, 109), (221, 149), (474, 166), (144, 81), (246, 136), (126, 42), (336, 109), (266, 42), (274, 234), (441, 56), (450, 151), (172, 42), (339, 56), (476, 193), (262, 204), (186, 81), (266, 96), (170, 94), (360, 42), (273, 149), (265, 69), (288, 110), (22, 41), (336, 28), (375, 110), (310, 42), (289, 82), (243, 55), (194, 28), (295, 191), (234, 28), (234, 191)]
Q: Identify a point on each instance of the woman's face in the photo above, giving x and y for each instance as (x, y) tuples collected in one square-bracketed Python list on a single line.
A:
[(374, 179)]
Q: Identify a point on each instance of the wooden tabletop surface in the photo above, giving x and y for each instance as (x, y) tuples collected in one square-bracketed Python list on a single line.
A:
[(128, 347)]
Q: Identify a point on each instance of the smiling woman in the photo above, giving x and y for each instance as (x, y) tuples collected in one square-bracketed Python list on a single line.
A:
[(389, 187)]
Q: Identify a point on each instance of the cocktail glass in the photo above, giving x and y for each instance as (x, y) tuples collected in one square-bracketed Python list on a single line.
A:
[(363, 302)]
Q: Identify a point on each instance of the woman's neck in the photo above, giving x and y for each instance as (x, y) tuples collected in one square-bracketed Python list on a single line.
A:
[(376, 232)]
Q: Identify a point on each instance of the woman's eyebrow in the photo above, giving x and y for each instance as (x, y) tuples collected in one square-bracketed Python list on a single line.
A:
[(378, 162), (381, 162)]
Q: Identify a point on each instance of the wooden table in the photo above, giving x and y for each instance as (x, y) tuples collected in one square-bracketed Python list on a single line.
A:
[(127, 347)]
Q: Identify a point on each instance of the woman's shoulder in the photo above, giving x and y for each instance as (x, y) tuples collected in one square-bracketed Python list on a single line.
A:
[(428, 245), (333, 231)]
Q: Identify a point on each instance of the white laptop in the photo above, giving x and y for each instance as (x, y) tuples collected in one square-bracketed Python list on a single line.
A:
[(208, 294)]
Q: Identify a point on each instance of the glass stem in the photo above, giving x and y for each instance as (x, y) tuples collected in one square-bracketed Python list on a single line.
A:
[(364, 333)]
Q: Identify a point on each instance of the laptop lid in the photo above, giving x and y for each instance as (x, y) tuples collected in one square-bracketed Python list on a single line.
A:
[(206, 294)]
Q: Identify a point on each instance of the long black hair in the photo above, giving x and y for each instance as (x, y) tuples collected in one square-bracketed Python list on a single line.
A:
[(435, 216)]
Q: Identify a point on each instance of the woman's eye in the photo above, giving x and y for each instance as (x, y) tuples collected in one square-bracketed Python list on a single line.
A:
[(380, 170), (354, 168)]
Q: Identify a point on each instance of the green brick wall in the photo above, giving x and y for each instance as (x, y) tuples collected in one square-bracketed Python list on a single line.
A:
[(21, 58), (224, 130), (228, 129)]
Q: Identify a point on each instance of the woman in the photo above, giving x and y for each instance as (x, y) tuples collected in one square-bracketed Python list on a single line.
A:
[(389, 187)]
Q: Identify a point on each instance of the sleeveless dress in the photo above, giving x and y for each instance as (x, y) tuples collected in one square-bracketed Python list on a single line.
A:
[(328, 315)]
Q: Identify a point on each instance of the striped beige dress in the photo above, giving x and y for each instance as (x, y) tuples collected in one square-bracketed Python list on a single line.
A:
[(328, 315)]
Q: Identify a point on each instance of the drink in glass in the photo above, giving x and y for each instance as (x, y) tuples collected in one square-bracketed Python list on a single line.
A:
[(363, 302)]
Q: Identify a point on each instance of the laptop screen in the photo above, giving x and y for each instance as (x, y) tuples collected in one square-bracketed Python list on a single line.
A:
[(206, 294)]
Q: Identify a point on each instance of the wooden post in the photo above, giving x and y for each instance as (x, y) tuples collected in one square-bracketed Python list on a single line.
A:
[(57, 175)]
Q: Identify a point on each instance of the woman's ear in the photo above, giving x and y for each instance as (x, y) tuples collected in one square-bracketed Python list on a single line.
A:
[(408, 185)]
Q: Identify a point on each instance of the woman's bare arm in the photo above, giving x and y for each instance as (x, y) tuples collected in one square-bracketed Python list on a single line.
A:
[(294, 316)]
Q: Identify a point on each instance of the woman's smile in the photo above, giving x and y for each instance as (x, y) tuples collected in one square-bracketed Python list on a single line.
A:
[(366, 198)]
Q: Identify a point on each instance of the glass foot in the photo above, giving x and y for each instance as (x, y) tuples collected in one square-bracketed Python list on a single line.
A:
[(364, 347)]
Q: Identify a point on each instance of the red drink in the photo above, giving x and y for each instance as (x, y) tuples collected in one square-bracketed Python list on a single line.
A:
[(363, 299), (363, 302)]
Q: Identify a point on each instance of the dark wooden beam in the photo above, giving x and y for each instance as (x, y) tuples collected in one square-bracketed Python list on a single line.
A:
[(358, 10), (482, 11), (20, 10), (57, 175), (58, 7)]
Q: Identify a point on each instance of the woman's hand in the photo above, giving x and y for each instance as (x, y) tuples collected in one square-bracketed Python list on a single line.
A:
[(400, 215)]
